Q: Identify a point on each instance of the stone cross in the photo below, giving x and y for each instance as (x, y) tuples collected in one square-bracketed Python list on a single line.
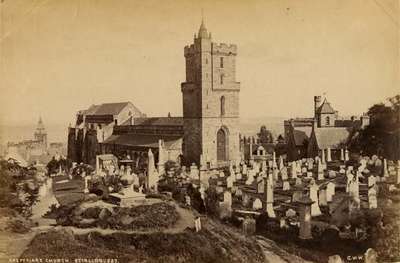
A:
[(330, 191), (328, 155), (269, 197), (315, 210)]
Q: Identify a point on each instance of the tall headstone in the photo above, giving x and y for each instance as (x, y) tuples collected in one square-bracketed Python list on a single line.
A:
[(385, 168), (161, 157), (281, 165), (274, 165), (314, 188), (330, 191), (322, 197), (320, 171), (285, 186), (293, 170), (372, 199), (152, 174), (269, 197), (257, 204), (323, 161), (284, 175), (346, 155), (328, 155), (244, 169), (341, 154)]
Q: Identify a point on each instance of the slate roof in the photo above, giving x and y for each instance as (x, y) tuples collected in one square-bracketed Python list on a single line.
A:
[(301, 134), (332, 137), (108, 108), (159, 121), (144, 141), (325, 108)]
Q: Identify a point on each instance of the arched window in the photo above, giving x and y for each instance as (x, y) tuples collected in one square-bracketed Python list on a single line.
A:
[(222, 79), (222, 106), (327, 120)]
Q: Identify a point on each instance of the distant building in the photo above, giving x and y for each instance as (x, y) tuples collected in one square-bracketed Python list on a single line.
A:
[(306, 137)]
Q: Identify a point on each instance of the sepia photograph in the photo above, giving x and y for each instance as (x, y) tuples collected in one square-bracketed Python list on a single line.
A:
[(199, 131)]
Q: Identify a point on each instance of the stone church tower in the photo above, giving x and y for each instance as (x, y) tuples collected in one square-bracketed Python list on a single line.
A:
[(210, 102)]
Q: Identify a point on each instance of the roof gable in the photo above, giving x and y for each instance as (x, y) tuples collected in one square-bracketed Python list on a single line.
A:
[(325, 108)]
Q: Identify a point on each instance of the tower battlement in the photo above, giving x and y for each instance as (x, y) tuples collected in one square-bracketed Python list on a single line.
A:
[(190, 50), (224, 48)]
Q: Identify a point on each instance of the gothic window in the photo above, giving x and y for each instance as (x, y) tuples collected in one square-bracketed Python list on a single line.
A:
[(222, 106), (327, 120), (221, 62), (222, 79)]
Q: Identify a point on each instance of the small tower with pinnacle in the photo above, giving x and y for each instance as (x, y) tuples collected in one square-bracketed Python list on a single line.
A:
[(40, 134)]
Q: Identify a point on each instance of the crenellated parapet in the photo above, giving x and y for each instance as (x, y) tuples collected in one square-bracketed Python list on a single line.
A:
[(222, 48), (190, 50)]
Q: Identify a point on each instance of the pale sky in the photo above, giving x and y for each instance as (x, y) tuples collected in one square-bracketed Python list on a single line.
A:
[(59, 56)]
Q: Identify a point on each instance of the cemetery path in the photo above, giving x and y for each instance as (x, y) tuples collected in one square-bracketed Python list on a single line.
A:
[(274, 254)]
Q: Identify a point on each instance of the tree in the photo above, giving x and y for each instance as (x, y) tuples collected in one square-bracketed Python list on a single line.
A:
[(265, 136), (382, 136)]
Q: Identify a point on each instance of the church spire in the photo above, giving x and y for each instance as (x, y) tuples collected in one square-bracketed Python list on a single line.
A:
[(203, 30)]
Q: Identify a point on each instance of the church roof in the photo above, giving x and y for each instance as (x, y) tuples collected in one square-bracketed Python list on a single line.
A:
[(159, 121), (325, 108), (144, 141), (107, 108), (332, 137)]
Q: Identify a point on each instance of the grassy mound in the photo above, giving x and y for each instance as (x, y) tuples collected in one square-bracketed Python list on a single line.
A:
[(188, 246)]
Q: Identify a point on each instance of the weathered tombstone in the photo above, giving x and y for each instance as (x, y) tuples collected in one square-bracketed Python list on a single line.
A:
[(370, 256), (285, 186), (346, 155), (257, 204), (310, 164), (269, 197), (238, 192), (274, 165), (244, 169), (320, 171), (398, 172), (260, 185), (298, 182), (322, 198), (385, 168), (371, 181), (341, 154), (245, 199), (314, 188), (250, 177), (197, 224), (221, 174), (290, 213), (284, 175), (349, 177), (328, 155), (238, 176), (293, 170), (275, 174), (305, 217), (282, 223), (331, 174), (249, 226), (85, 189), (281, 165), (304, 170), (229, 181), (194, 171), (330, 191), (372, 199), (297, 195), (309, 175)]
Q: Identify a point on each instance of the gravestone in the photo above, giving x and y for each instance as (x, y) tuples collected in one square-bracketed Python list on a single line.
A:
[(372, 199), (244, 169), (298, 182), (290, 212), (197, 224), (309, 175), (330, 191), (249, 226), (281, 165), (257, 204), (335, 259), (328, 155), (323, 161), (285, 186), (322, 198), (260, 185), (349, 177), (371, 181), (284, 175), (315, 210), (293, 170), (305, 217), (297, 195), (320, 171), (346, 155), (370, 256), (341, 154), (385, 168), (238, 176), (269, 197)]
